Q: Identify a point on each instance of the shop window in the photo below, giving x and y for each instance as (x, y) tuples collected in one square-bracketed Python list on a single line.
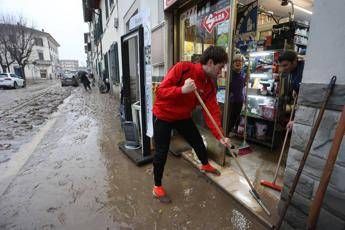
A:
[(197, 34)]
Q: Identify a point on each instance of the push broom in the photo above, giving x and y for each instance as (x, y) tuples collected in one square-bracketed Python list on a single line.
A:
[(244, 147), (252, 190), (273, 184)]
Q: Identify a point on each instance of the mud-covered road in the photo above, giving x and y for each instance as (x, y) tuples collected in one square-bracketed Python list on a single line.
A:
[(71, 175)]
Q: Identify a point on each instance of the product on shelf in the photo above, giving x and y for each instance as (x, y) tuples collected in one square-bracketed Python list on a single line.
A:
[(261, 130), (268, 111)]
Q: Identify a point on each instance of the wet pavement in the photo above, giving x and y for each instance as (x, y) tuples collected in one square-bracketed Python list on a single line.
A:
[(12, 97), (75, 177), (23, 111)]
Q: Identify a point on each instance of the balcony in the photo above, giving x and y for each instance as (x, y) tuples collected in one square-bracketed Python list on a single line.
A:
[(42, 62), (88, 6)]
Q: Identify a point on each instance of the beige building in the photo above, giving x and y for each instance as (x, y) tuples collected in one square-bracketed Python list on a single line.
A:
[(44, 58), (69, 65)]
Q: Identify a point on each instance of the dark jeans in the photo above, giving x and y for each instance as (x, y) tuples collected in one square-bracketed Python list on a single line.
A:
[(235, 113), (87, 85), (162, 134)]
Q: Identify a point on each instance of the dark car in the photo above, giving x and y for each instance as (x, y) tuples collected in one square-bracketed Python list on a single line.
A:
[(69, 80)]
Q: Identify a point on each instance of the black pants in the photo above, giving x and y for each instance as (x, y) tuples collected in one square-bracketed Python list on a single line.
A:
[(87, 85), (235, 113), (162, 134)]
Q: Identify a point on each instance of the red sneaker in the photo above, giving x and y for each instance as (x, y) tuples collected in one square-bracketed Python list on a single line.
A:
[(209, 169), (159, 193)]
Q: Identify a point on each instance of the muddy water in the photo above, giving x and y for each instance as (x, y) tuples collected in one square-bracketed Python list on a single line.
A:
[(78, 179), (18, 125)]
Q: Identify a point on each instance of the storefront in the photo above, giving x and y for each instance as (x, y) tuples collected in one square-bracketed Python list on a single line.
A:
[(260, 31), (198, 25)]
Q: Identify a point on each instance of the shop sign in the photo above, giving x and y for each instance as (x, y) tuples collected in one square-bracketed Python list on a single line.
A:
[(215, 18), (135, 21), (168, 3)]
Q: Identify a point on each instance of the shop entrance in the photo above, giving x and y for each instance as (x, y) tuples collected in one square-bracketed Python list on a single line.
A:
[(193, 36), (260, 31), (137, 145)]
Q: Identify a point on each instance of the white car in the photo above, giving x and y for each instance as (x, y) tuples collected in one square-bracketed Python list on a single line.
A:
[(10, 80)]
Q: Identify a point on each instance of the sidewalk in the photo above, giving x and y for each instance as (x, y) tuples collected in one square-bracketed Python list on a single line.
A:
[(77, 178)]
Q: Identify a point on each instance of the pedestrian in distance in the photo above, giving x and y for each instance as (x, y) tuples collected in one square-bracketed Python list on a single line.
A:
[(85, 81), (93, 80)]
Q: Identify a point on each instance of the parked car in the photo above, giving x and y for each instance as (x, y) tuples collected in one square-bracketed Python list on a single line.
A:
[(69, 80), (10, 80)]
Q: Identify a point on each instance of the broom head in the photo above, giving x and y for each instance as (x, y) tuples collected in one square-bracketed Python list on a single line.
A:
[(244, 149), (271, 185)]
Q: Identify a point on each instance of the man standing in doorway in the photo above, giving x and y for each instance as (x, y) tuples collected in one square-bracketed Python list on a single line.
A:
[(173, 107), (238, 81), (289, 64)]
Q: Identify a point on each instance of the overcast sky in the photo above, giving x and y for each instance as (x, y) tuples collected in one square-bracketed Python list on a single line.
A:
[(63, 19)]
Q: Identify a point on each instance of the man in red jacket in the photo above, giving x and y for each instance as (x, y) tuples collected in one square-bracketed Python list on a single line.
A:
[(173, 108)]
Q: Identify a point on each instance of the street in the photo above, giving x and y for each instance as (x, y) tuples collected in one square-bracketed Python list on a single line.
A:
[(71, 174)]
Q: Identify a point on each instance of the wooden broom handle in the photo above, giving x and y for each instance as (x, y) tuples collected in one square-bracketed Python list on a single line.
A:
[(209, 114), (327, 172), (285, 139), (222, 136)]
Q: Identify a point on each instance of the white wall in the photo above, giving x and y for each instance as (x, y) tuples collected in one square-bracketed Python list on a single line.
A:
[(33, 72), (326, 49), (123, 13)]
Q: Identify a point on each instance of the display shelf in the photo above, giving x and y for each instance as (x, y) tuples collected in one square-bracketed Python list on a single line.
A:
[(301, 25), (257, 117), (306, 36), (300, 44), (257, 94), (263, 73)]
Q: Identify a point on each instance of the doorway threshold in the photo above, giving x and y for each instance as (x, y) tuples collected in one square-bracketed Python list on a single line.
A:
[(234, 184)]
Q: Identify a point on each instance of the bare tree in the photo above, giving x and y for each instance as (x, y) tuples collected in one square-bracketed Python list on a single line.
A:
[(17, 39), (5, 59)]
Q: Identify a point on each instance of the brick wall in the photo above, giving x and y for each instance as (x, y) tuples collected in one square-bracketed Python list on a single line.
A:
[(333, 211), (325, 58)]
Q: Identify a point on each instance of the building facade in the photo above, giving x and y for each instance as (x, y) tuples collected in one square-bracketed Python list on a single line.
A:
[(177, 34), (44, 59), (108, 21), (69, 65)]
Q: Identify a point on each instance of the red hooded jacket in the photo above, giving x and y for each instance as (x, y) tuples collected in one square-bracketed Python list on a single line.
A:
[(171, 105)]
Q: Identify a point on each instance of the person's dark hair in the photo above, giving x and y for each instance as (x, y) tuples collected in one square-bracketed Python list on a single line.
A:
[(288, 56), (216, 53), (196, 58)]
